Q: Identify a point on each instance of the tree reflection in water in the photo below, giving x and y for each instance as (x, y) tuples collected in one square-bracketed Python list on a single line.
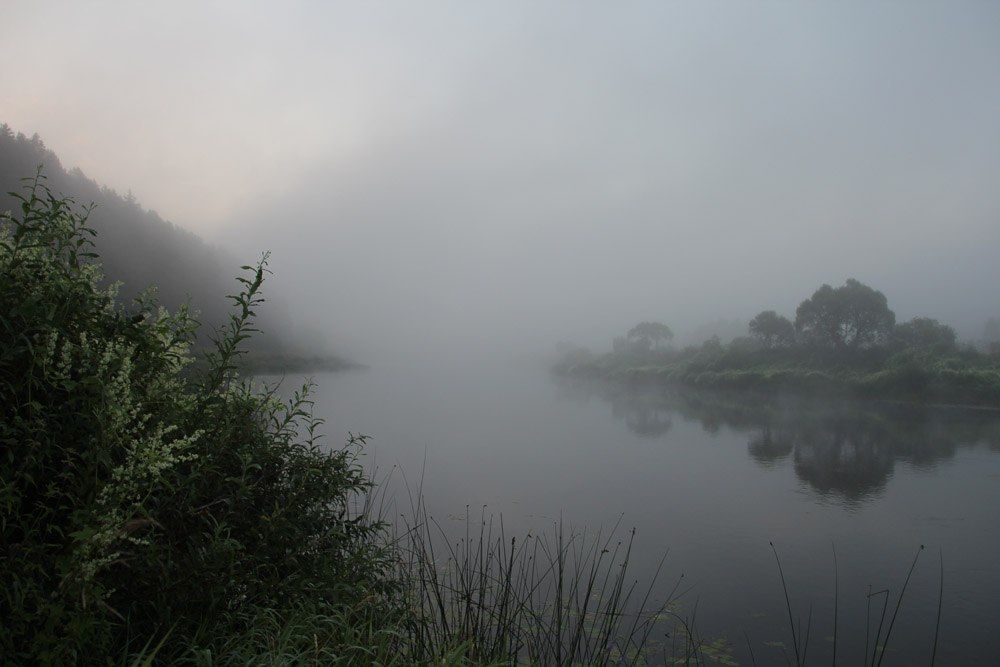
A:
[(842, 449)]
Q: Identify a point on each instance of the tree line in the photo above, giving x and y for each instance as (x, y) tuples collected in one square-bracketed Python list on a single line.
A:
[(138, 248), (851, 317)]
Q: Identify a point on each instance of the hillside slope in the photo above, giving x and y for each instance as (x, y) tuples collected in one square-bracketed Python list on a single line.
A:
[(139, 248)]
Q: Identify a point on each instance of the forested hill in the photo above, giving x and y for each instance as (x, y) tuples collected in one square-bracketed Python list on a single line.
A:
[(139, 248)]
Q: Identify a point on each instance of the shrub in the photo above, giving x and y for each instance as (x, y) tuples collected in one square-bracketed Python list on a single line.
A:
[(142, 498)]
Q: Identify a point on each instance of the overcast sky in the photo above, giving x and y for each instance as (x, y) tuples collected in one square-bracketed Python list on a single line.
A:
[(511, 174)]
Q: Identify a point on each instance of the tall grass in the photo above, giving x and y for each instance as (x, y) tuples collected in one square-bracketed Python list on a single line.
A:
[(877, 645), (556, 597)]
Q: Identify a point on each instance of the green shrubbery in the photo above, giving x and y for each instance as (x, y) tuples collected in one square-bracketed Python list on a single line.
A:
[(143, 501), (925, 374)]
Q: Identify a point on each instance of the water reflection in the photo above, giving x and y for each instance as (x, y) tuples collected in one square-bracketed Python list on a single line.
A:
[(648, 421), (847, 451)]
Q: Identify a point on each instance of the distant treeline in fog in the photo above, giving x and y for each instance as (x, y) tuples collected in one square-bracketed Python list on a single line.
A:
[(139, 248), (844, 339)]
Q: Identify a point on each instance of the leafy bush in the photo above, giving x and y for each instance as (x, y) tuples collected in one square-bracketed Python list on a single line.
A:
[(146, 503)]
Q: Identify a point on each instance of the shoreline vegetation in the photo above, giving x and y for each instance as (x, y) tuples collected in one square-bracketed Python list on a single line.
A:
[(843, 343), (155, 510)]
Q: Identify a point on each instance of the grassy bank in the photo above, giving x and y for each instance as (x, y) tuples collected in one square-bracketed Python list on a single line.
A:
[(918, 375)]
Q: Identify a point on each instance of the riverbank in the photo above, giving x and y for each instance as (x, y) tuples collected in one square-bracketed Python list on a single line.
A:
[(920, 376)]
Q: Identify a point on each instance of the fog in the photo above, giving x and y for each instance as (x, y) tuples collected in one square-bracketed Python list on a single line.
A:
[(450, 191), (446, 178)]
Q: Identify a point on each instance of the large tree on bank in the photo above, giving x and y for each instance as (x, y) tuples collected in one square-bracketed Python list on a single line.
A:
[(650, 335), (772, 330), (851, 316)]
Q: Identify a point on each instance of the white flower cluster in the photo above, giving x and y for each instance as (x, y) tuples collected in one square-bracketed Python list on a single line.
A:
[(148, 449)]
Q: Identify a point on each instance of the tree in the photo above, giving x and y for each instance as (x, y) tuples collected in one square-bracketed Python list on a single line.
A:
[(991, 331), (924, 332), (851, 316), (991, 336), (650, 334), (772, 330)]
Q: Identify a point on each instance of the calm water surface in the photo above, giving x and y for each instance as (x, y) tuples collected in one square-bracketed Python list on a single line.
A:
[(714, 479)]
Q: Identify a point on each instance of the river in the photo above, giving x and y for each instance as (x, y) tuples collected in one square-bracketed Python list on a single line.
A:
[(715, 480)]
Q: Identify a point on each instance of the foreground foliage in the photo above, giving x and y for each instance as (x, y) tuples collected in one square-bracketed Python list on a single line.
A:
[(141, 500)]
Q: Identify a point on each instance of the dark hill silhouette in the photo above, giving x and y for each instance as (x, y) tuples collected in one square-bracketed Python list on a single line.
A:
[(139, 248)]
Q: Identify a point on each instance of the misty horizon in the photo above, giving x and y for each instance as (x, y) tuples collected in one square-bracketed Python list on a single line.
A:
[(515, 176), (499, 333)]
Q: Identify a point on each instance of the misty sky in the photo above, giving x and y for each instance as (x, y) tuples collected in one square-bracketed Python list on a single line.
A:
[(511, 174)]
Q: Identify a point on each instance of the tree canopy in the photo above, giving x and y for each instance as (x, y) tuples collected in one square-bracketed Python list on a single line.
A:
[(924, 332), (650, 334), (991, 330), (851, 316), (772, 330)]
